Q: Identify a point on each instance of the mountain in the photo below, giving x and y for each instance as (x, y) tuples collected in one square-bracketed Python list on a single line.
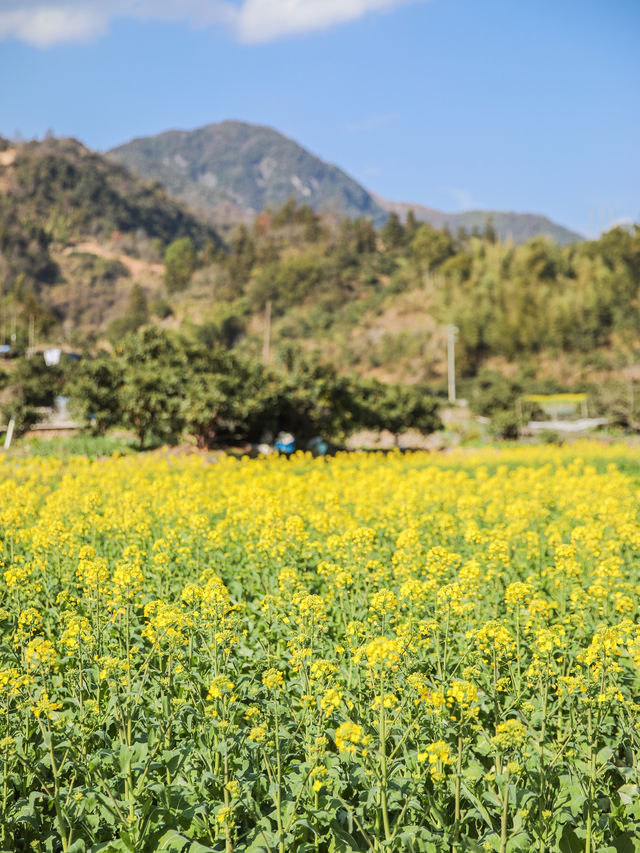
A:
[(236, 170), (232, 171), (518, 227)]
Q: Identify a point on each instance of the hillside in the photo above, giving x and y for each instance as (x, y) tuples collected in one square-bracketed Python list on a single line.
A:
[(232, 171), (378, 301), (518, 227), (77, 230), (236, 170), (85, 247), (72, 190)]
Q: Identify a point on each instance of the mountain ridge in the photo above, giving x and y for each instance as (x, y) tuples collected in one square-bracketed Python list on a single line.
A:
[(508, 225), (247, 166), (233, 170)]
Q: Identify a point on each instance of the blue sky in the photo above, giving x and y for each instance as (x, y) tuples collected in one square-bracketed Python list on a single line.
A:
[(527, 105)]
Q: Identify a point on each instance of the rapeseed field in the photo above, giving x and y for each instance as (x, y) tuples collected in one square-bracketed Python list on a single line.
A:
[(369, 653)]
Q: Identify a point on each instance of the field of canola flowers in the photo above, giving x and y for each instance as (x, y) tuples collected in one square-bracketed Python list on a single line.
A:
[(403, 653)]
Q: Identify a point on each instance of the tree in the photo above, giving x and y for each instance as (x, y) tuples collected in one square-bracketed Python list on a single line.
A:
[(392, 232), (285, 214), (461, 236), (431, 247), (32, 387), (137, 315), (226, 396), (242, 257), (398, 407), (287, 282), (94, 389), (313, 399), (179, 264), (490, 234), (365, 236), (154, 369), (410, 226), (138, 307), (492, 393)]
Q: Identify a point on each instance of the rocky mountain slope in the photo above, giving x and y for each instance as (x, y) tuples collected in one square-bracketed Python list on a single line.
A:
[(236, 170), (232, 171)]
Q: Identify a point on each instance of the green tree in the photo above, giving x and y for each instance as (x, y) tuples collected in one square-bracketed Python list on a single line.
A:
[(365, 236), (313, 398), (491, 393), (137, 315), (411, 226), (31, 387), (398, 407), (226, 396), (430, 247), (393, 233), (242, 256), (490, 234), (179, 264), (461, 236), (154, 370), (138, 307), (287, 282), (94, 386)]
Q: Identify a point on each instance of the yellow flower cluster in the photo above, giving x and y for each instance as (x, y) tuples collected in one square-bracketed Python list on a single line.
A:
[(348, 736), (438, 755), (510, 735)]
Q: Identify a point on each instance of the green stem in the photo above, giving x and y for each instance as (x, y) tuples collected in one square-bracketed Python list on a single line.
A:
[(281, 847), (56, 795), (227, 829), (383, 764), (591, 788), (505, 814), (543, 732), (456, 825)]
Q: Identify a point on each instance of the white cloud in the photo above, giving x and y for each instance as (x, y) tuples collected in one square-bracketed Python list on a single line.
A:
[(47, 22), (265, 20), (43, 26)]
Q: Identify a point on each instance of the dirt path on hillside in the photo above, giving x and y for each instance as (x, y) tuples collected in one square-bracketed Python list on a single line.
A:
[(136, 266)]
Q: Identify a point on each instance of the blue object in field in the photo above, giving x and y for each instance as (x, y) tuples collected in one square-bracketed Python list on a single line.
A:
[(285, 443), (318, 446)]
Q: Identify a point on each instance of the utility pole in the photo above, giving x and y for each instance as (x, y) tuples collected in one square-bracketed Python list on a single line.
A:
[(267, 333), (452, 332), (32, 333)]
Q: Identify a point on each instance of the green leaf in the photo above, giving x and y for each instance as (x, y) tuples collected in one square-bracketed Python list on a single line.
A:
[(628, 794), (342, 841), (478, 804), (172, 842)]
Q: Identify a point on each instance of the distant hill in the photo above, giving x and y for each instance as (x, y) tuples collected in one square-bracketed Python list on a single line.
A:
[(76, 230), (73, 192), (232, 171), (518, 227), (236, 170)]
